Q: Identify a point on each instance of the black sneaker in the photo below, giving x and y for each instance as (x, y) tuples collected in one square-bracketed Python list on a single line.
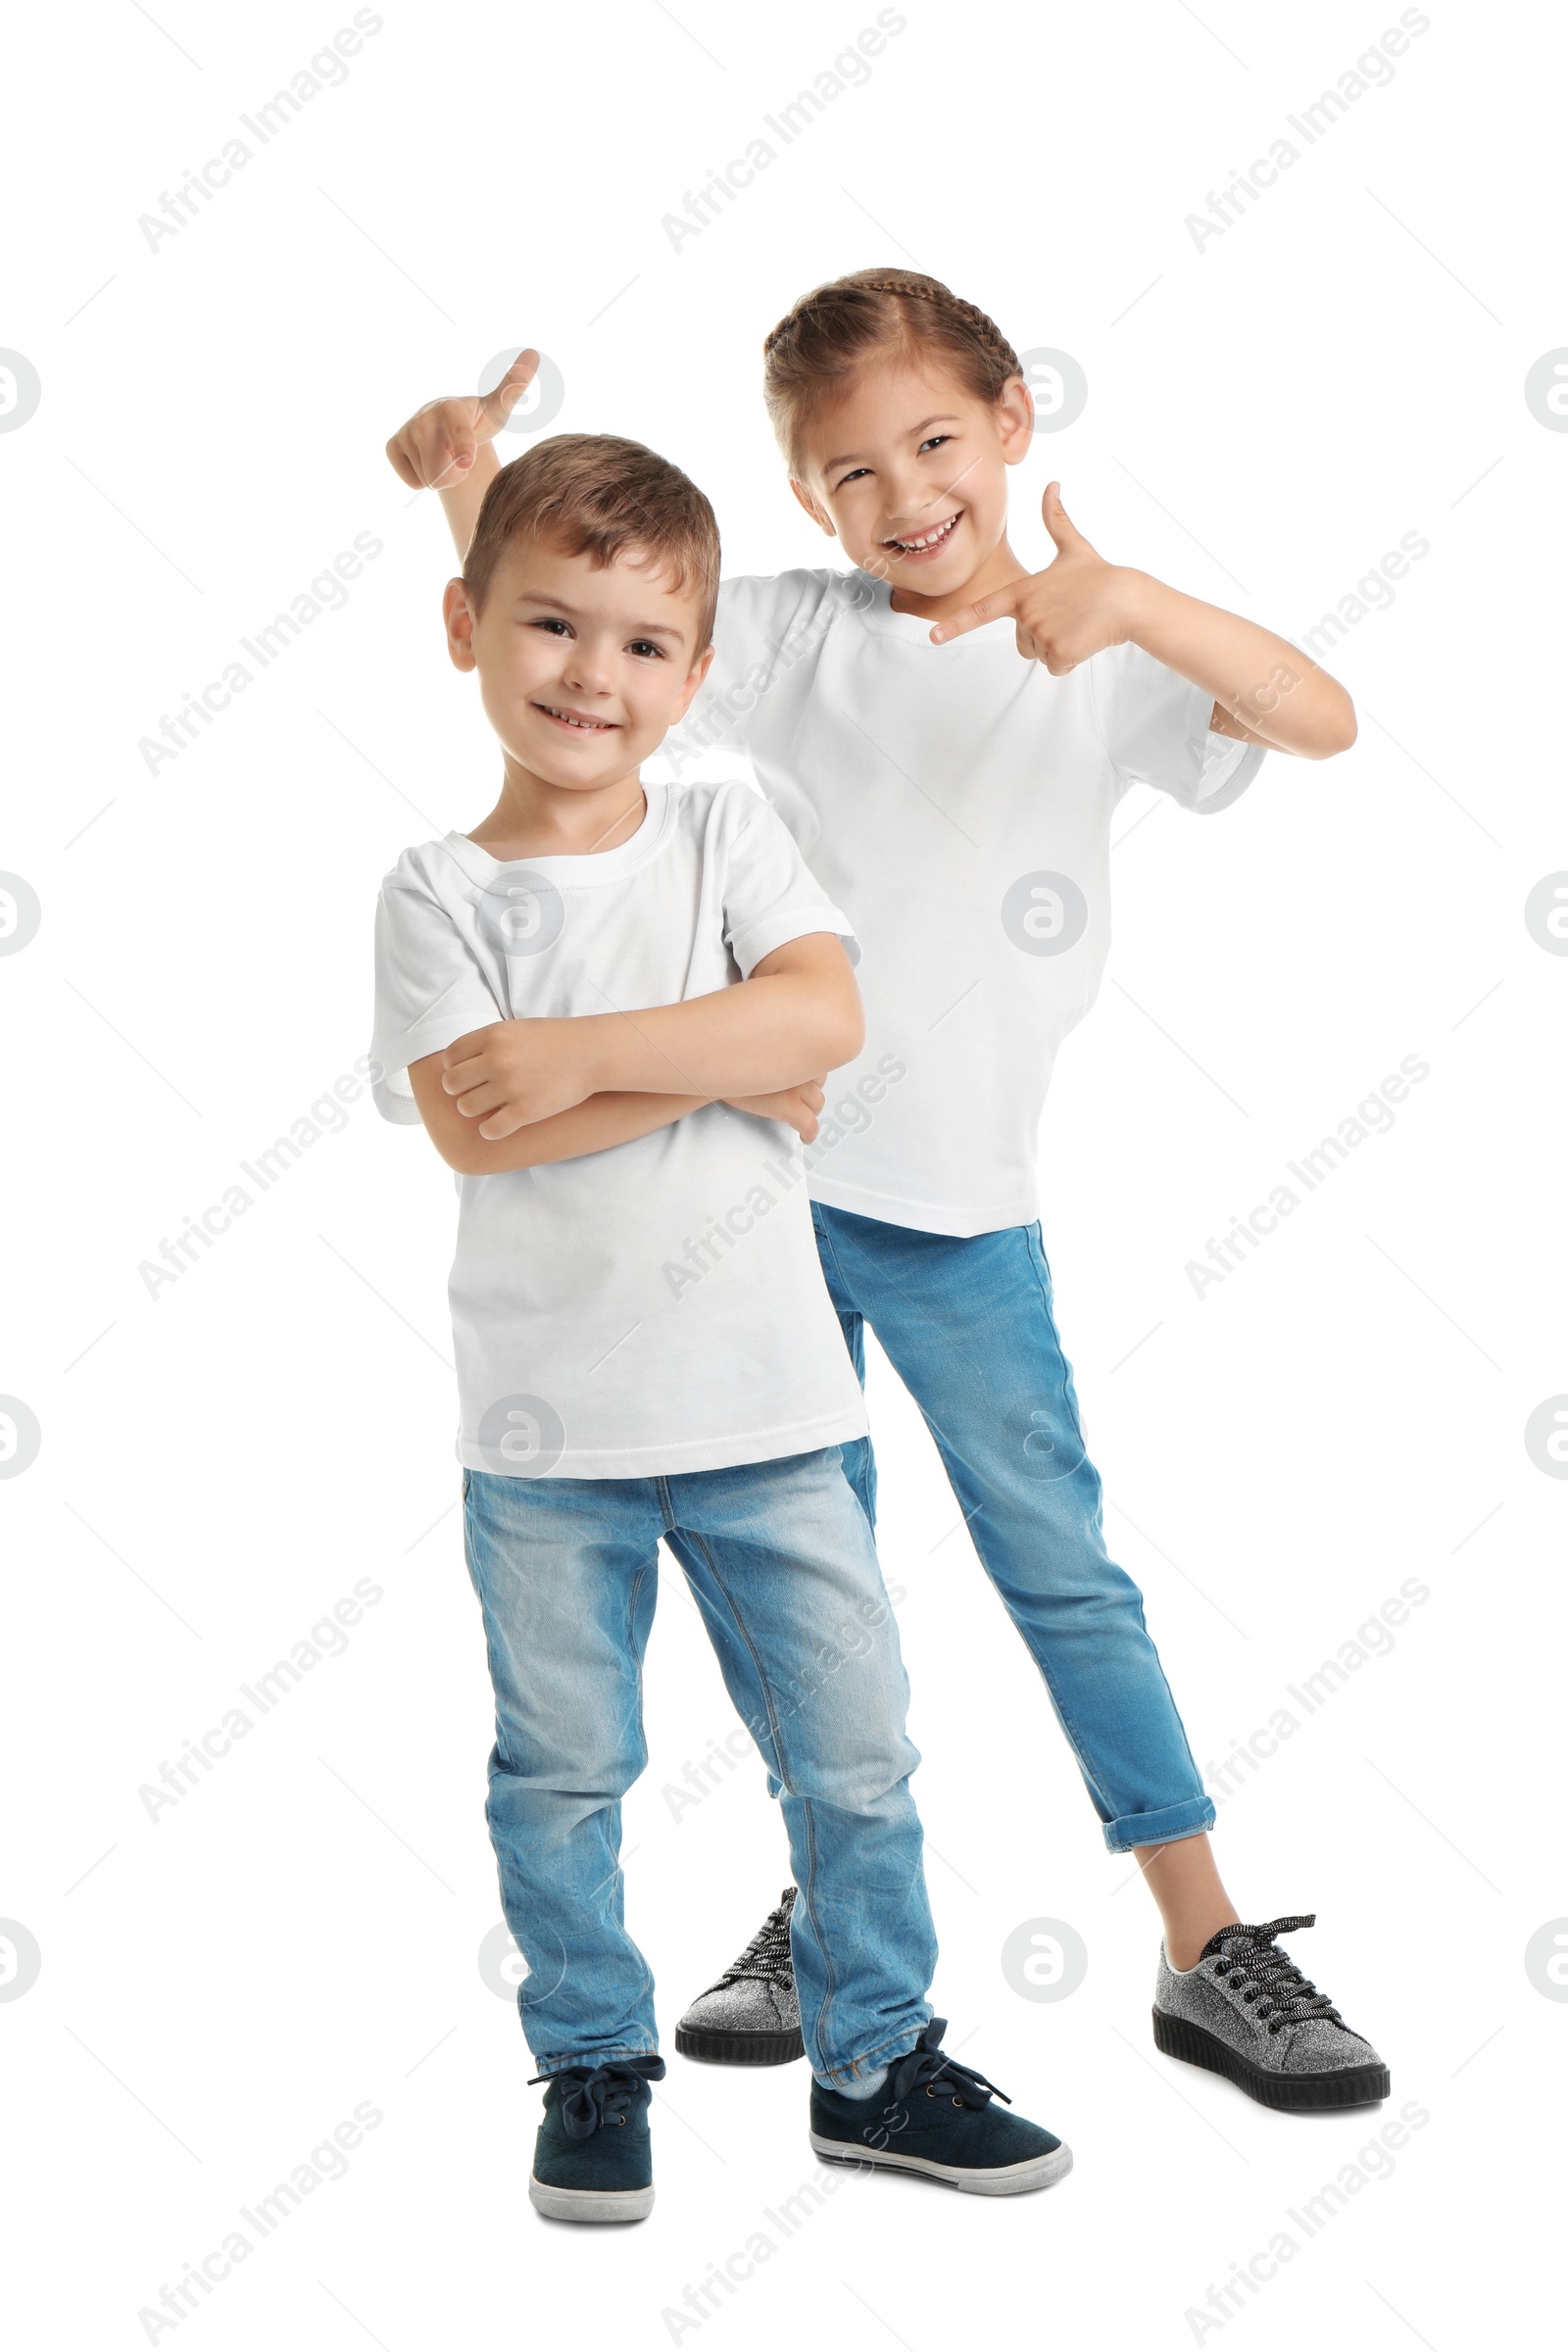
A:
[(752, 2017), (933, 2116), (592, 2161), (1245, 2010)]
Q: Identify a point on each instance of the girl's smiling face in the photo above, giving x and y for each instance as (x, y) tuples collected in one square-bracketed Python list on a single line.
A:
[(908, 469)]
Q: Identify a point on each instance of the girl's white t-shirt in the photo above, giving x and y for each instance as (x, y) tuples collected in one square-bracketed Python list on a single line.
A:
[(956, 801), (659, 1306)]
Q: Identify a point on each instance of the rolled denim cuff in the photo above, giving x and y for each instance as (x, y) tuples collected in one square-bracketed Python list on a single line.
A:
[(1167, 1826)]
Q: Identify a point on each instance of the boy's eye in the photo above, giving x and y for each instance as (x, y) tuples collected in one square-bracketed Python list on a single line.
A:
[(554, 626), (846, 478), (644, 645)]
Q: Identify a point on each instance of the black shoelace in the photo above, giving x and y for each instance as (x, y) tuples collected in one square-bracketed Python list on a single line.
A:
[(594, 2096), (1249, 1958), (928, 2068), (767, 1955)]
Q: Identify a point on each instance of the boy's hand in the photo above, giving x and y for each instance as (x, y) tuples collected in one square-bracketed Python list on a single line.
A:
[(513, 1072), (1074, 609), (796, 1105), (438, 445)]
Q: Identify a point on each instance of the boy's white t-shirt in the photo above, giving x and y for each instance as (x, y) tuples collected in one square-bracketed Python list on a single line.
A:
[(956, 801), (657, 1306)]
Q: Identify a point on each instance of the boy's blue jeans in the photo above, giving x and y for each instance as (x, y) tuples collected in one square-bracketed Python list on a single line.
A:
[(780, 1559), (967, 1326)]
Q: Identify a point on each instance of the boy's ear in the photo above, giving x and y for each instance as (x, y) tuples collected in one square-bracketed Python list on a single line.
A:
[(818, 514), (1016, 420), (458, 612), (687, 695)]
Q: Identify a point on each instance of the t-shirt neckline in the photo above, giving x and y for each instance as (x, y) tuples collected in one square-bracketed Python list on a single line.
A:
[(583, 868)]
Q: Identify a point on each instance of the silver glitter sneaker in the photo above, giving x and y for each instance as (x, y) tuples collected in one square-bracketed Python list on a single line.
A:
[(752, 2016), (1245, 2010)]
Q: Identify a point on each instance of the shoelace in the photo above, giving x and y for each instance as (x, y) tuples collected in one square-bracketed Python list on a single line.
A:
[(1250, 1957), (927, 2065), (767, 1955), (601, 2094)]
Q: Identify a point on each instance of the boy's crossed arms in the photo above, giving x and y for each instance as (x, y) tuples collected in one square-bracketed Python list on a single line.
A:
[(520, 1093)]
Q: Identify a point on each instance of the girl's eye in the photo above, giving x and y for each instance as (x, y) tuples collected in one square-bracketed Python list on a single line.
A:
[(934, 442), (846, 478)]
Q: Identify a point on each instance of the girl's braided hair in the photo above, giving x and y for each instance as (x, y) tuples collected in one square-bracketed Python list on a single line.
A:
[(824, 338)]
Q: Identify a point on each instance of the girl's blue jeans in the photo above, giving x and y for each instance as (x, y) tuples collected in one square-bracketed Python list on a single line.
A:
[(967, 1326)]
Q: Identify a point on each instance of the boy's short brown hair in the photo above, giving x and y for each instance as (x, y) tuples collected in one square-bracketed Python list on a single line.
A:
[(594, 494)]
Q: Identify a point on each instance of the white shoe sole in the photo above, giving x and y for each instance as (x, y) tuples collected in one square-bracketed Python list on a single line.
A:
[(589, 2204), (1005, 2180)]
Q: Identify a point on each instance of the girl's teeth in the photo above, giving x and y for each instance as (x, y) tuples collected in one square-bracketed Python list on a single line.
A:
[(912, 547)]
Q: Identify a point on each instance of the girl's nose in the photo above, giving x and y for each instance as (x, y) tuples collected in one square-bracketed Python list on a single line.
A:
[(915, 498)]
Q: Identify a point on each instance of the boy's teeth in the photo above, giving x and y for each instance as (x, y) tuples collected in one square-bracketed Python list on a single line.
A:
[(913, 546)]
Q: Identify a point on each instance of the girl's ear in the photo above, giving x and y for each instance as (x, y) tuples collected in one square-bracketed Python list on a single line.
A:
[(1016, 420), (817, 514)]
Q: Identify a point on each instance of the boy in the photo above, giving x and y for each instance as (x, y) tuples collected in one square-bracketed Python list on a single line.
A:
[(608, 1006)]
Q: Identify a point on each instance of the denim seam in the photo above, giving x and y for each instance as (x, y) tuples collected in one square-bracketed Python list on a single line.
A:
[(864, 1487), (470, 1548), (825, 1238), (1042, 1271), (647, 1988), (807, 1891)]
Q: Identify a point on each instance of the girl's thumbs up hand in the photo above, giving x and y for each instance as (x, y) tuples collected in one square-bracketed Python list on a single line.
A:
[(439, 443), (1075, 607)]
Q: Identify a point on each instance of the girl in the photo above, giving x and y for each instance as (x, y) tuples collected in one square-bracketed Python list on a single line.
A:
[(946, 736)]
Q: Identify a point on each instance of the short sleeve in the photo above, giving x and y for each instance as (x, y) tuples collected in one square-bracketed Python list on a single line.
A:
[(769, 894), (1155, 727), (429, 989)]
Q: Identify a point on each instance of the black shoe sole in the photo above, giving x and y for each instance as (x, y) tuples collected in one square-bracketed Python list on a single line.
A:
[(741, 2049), (1347, 2086)]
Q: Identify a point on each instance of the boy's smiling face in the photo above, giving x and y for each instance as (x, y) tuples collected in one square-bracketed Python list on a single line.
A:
[(583, 670), (908, 469)]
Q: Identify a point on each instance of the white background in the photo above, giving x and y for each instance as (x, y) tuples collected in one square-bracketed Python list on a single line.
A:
[(1345, 365)]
